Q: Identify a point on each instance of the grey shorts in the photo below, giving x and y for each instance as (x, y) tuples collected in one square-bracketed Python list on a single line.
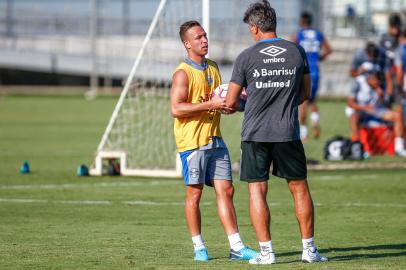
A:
[(203, 166)]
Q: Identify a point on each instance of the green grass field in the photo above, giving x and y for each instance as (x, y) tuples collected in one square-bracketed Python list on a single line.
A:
[(51, 219)]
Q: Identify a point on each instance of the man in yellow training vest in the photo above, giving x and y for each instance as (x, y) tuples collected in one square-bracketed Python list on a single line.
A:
[(204, 155)]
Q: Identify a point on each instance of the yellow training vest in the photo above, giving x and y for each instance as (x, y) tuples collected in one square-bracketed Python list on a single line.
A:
[(195, 131)]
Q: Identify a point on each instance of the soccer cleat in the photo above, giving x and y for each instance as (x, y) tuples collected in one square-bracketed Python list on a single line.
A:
[(312, 255), (267, 258), (244, 254), (201, 255)]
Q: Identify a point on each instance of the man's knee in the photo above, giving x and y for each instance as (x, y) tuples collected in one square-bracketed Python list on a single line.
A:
[(193, 195), (258, 189), (224, 188), (298, 185), (398, 115)]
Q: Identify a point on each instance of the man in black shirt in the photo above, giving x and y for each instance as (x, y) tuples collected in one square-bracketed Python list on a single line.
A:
[(275, 74)]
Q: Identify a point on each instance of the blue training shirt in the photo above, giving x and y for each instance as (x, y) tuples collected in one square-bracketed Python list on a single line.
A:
[(400, 57), (311, 40)]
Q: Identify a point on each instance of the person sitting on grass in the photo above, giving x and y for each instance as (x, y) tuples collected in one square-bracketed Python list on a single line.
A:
[(368, 100)]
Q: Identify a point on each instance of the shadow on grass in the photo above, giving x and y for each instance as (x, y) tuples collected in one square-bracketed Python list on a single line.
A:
[(376, 251)]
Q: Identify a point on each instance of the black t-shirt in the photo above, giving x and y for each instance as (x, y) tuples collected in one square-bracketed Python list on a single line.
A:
[(272, 72)]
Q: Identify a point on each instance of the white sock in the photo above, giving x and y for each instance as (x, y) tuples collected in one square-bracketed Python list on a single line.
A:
[(266, 247), (315, 117), (399, 144), (303, 132), (235, 241), (308, 243), (198, 242)]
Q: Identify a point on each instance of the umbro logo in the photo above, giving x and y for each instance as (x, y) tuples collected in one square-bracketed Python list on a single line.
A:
[(273, 51)]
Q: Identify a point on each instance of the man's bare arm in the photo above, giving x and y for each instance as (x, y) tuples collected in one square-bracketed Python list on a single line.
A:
[(305, 90), (355, 72), (399, 76), (180, 108), (326, 50), (233, 94), (389, 83), (351, 102)]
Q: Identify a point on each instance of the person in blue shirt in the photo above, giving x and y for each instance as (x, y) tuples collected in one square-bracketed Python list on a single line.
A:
[(400, 63), (400, 67), (368, 100), (317, 49), (389, 41)]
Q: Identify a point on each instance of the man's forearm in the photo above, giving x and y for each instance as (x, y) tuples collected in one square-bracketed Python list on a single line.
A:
[(233, 94), (303, 99), (182, 110), (305, 89)]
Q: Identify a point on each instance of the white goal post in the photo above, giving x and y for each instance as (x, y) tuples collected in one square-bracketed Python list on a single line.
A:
[(139, 133)]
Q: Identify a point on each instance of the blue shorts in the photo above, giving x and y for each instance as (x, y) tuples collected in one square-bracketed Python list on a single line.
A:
[(376, 115), (314, 76), (203, 166)]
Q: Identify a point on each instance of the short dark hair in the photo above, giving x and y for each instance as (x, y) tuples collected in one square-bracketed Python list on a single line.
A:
[(395, 20), (306, 18), (262, 15), (380, 76), (372, 49), (186, 26)]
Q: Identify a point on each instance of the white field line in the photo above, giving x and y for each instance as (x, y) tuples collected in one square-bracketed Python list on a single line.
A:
[(154, 203), (90, 185), (159, 203), (400, 205), (155, 183), (94, 202), (3, 200), (84, 202), (377, 205), (343, 177), (22, 201)]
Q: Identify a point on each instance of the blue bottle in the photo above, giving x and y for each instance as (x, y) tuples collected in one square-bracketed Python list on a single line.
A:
[(82, 170), (25, 168)]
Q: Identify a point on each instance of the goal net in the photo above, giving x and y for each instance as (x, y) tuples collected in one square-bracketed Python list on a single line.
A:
[(139, 135)]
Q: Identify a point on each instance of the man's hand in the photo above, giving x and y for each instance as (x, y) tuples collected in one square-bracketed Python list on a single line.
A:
[(368, 108), (218, 103), (228, 111), (379, 91)]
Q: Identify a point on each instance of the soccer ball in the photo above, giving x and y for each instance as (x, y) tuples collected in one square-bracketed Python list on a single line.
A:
[(221, 91)]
